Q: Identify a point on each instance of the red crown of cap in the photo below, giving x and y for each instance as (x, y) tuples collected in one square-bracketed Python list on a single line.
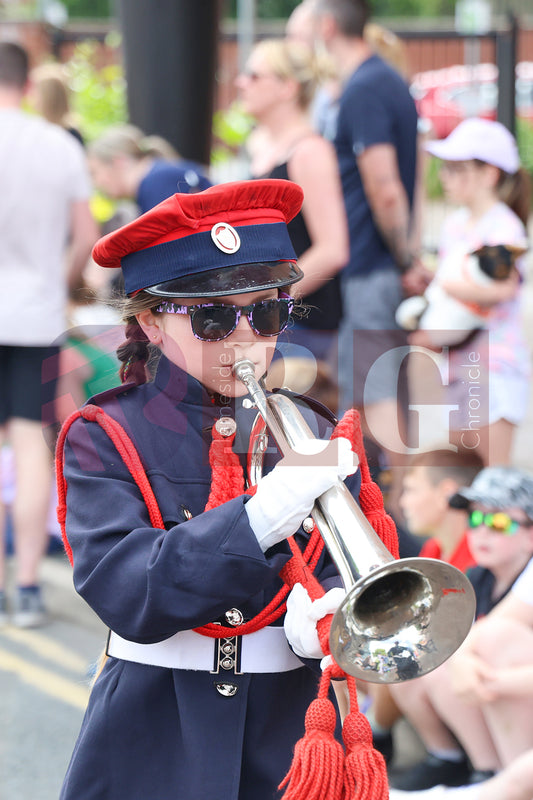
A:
[(238, 203)]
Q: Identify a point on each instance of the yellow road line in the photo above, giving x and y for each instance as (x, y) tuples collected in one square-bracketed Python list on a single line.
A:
[(46, 648), (45, 681)]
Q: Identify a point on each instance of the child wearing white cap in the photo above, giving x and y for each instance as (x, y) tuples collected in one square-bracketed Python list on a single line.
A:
[(478, 312)]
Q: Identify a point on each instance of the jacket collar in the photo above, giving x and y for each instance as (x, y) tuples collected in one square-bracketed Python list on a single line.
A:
[(180, 387)]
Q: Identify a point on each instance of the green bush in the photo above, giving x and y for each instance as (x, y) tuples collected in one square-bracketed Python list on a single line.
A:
[(231, 128), (89, 9), (433, 183), (524, 135), (98, 93)]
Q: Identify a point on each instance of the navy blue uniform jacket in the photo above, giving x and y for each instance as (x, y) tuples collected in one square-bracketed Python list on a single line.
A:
[(152, 732)]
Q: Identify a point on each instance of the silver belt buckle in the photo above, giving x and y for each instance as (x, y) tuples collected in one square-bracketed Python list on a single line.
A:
[(227, 656)]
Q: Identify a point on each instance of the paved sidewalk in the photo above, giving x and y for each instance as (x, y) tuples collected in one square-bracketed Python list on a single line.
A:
[(62, 601)]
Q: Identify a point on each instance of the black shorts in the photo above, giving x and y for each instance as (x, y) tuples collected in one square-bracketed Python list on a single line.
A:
[(28, 382)]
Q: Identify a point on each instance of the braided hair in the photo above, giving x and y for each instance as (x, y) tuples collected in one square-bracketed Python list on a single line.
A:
[(136, 353)]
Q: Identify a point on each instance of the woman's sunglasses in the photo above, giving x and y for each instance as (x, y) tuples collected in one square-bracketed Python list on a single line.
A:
[(497, 521), (212, 322)]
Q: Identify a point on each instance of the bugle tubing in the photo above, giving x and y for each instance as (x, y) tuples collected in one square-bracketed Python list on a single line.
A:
[(401, 618)]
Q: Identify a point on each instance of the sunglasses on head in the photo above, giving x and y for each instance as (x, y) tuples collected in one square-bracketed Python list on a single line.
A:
[(497, 521), (212, 322)]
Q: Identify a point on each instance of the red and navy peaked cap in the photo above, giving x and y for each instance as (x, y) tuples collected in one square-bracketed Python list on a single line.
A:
[(229, 239)]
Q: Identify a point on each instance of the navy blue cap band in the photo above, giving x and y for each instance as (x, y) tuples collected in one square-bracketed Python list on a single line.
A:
[(170, 260)]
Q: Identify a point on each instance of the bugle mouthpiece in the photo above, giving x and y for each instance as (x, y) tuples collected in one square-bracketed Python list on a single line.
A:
[(243, 369)]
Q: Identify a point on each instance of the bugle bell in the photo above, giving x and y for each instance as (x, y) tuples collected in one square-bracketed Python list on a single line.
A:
[(401, 618)]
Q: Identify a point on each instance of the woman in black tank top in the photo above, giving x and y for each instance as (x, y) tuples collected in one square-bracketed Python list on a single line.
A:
[(277, 88)]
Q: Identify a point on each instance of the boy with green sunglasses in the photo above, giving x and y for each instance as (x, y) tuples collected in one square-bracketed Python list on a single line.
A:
[(499, 503), (500, 512), (500, 489)]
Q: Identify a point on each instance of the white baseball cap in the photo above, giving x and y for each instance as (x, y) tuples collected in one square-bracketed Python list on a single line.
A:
[(482, 139)]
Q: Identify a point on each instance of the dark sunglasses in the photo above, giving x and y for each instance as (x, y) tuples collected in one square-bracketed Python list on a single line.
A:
[(497, 521), (212, 322)]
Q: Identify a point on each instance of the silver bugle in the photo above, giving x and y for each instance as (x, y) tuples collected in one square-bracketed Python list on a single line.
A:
[(401, 618)]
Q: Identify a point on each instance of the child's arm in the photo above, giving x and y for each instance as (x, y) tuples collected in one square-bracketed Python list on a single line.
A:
[(467, 291), (146, 583)]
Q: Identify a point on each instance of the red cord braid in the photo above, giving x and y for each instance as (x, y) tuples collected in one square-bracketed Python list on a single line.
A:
[(126, 450), (317, 771), (320, 769), (227, 482), (370, 497), (227, 477), (365, 771)]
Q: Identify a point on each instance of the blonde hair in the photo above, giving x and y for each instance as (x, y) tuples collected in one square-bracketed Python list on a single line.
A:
[(130, 141), (389, 46), (290, 59)]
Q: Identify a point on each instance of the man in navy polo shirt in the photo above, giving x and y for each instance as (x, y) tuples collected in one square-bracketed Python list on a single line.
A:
[(376, 143)]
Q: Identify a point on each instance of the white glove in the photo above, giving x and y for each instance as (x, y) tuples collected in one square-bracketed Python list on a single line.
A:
[(302, 616), (286, 495)]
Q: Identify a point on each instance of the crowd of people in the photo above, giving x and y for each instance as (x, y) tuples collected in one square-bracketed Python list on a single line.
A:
[(312, 269)]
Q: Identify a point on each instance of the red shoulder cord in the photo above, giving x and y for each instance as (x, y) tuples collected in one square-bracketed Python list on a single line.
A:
[(321, 768), (227, 482)]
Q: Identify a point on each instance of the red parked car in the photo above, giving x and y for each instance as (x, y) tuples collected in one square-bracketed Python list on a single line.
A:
[(445, 97)]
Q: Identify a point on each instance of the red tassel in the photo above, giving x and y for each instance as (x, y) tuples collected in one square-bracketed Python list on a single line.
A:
[(365, 771), (316, 772), (318, 758), (227, 477), (370, 496)]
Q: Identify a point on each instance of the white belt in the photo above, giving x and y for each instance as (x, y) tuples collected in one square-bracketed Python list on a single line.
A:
[(266, 650)]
